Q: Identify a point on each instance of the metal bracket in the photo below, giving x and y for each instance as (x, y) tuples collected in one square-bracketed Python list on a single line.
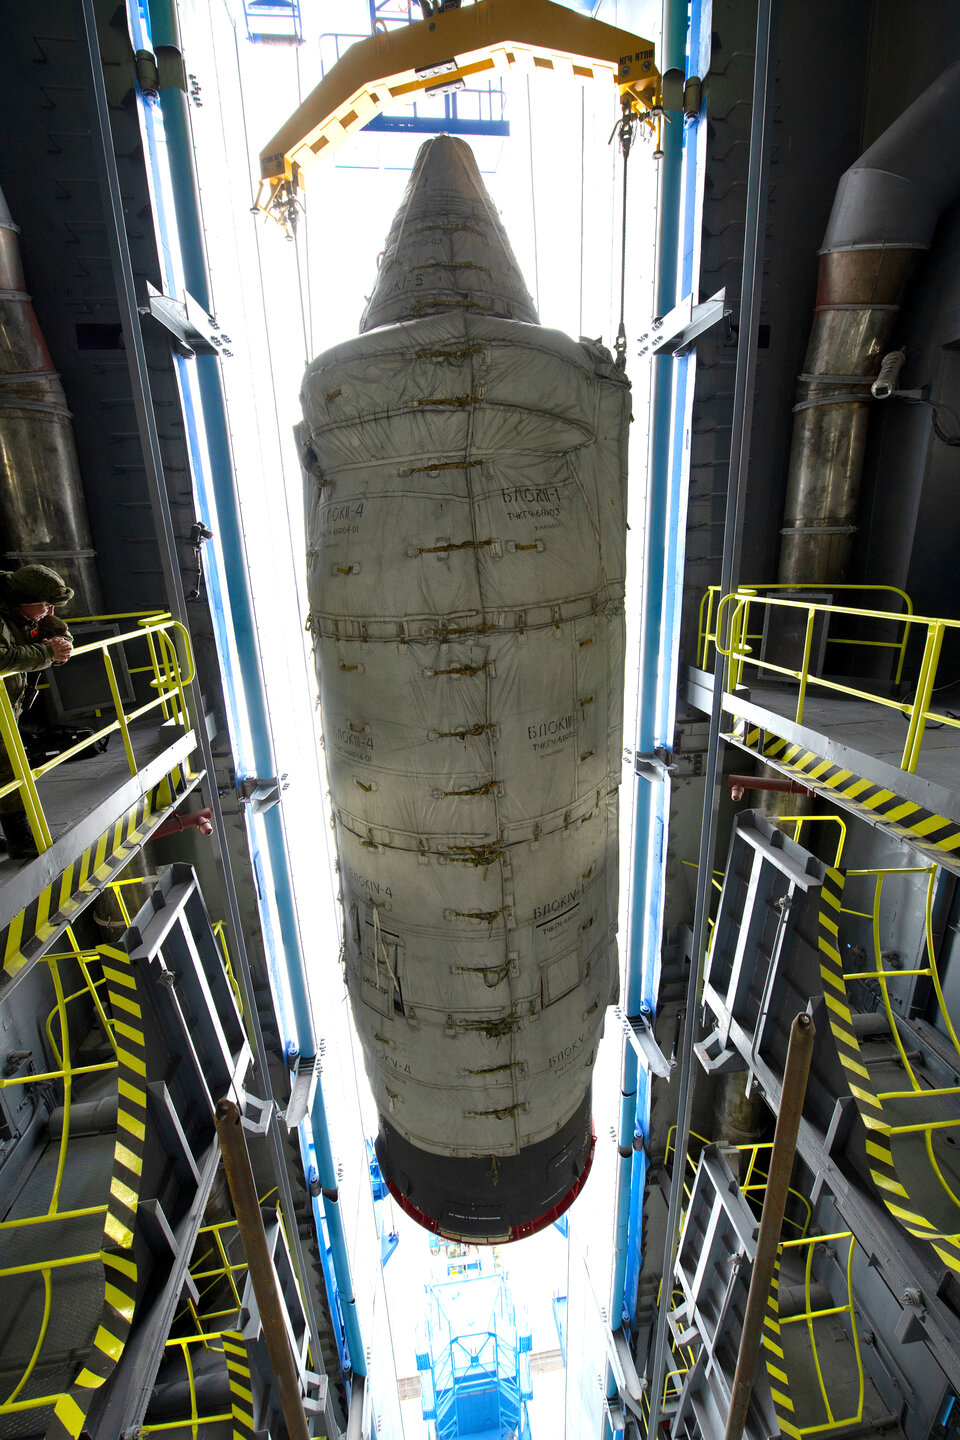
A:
[(315, 1404), (655, 764), (265, 1108), (629, 1384), (302, 1087), (615, 1415), (193, 329), (639, 1032), (675, 332), (723, 1061), (260, 793)]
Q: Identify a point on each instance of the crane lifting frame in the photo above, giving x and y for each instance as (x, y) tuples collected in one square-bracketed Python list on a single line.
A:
[(446, 50)]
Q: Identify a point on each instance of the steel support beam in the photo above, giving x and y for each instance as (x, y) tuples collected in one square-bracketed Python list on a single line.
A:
[(753, 254), (124, 280)]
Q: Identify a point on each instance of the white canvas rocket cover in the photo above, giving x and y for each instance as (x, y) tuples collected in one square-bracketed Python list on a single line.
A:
[(465, 489)]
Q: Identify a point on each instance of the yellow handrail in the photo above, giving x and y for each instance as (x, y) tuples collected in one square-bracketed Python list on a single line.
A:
[(733, 619), (65, 1074), (747, 1184), (172, 668), (196, 1419), (90, 987), (706, 636), (219, 931), (809, 1315), (798, 822), (881, 976)]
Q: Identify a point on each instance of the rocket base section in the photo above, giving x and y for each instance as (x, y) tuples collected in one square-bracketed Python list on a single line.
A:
[(487, 1200)]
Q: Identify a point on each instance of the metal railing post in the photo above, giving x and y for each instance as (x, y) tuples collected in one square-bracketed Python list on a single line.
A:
[(10, 732), (921, 703), (805, 663), (118, 707)]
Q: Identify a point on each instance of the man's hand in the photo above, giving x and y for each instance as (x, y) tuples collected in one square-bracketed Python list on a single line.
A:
[(62, 649)]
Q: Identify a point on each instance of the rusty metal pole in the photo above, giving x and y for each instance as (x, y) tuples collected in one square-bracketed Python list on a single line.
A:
[(243, 1193), (795, 1074)]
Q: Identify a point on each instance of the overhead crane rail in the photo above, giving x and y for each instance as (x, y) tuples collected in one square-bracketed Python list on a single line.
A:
[(443, 51)]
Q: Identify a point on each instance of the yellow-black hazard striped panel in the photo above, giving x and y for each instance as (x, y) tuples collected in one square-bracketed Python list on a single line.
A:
[(119, 1266), (775, 1362), (241, 1389), (903, 1205), (30, 933), (937, 836)]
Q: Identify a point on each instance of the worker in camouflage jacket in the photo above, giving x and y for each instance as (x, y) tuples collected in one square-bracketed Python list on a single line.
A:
[(32, 638)]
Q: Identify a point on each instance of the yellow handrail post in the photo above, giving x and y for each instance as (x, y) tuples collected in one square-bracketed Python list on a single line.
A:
[(155, 663), (24, 775), (705, 621), (118, 706), (741, 625), (805, 663), (180, 679), (921, 703)]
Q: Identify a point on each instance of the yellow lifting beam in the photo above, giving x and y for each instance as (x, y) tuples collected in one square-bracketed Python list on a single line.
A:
[(453, 46)]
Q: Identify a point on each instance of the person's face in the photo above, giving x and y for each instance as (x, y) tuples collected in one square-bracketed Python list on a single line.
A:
[(37, 611)]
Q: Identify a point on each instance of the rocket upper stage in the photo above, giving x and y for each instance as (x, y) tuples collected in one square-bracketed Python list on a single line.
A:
[(465, 492), (447, 249)]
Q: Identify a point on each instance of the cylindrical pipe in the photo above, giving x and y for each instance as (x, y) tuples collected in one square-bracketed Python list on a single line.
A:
[(327, 1174), (739, 783), (172, 1399), (89, 1117), (885, 212), (201, 820), (739, 1117), (43, 515), (243, 1193), (886, 382), (799, 1053)]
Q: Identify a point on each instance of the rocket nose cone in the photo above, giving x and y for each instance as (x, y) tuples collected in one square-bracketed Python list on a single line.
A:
[(447, 249)]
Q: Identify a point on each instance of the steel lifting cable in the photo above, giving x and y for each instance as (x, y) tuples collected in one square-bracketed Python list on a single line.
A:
[(306, 304), (624, 130), (295, 237)]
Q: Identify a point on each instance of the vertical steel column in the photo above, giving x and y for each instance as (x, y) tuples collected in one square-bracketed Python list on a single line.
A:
[(165, 35), (246, 1205), (174, 107), (796, 1070), (665, 287), (102, 143), (755, 223)]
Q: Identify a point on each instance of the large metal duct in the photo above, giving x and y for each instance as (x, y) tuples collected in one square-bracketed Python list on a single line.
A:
[(885, 212), (43, 516)]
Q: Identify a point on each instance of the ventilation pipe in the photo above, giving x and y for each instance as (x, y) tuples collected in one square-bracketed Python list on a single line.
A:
[(884, 215), (43, 516)]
